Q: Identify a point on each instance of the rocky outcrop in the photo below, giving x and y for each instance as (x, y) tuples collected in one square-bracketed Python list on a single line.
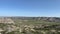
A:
[(6, 21)]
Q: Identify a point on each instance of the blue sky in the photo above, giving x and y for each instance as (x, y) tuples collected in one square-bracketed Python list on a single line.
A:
[(30, 8)]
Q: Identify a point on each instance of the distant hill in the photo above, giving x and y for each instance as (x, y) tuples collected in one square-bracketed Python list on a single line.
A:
[(49, 19), (46, 19)]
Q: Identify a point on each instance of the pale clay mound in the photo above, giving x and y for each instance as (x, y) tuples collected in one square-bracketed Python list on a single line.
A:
[(6, 20)]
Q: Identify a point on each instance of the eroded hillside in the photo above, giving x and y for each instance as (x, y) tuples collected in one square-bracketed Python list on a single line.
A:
[(29, 25)]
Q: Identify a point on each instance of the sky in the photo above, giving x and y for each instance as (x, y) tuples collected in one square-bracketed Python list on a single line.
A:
[(49, 8)]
